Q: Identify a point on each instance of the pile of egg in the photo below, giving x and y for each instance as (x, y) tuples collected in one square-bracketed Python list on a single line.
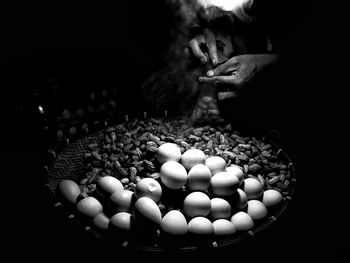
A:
[(219, 199)]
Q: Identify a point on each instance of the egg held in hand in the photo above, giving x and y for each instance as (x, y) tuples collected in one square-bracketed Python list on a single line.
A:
[(192, 157), (224, 184), (69, 190), (215, 164), (199, 178), (196, 204), (173, 175), (168, 152), (89, 206), (148, 187), (174, 223)]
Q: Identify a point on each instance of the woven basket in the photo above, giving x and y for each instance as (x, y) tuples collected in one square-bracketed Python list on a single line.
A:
[(66, 161)]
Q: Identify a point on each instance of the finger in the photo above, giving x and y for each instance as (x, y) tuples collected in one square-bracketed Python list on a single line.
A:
[(211, 43), (229, 66), (218, 80), (196, 50)]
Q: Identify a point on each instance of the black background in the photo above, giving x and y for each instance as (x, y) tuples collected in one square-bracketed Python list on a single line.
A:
[(128, 40)]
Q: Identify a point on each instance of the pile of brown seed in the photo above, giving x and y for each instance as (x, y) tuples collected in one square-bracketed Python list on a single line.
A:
[(127, 152)]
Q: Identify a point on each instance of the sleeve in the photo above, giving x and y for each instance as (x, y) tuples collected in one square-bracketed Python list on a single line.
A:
[(242, 9)]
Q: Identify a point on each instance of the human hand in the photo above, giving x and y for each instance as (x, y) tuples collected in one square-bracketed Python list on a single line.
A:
[(239, 70), (208, 39)]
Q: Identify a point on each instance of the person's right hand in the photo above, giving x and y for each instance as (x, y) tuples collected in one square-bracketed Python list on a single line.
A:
[(207, 38)]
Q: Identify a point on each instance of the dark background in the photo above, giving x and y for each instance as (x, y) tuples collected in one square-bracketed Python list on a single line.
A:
[(125, 43)]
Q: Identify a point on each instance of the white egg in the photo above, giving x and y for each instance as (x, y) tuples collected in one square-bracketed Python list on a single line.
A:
[(224, 184), (101, 221), (122, 221), (253, 188), (271, 197), (197, 204), (223, 227), (69, 190), (200, 225), (236, 170), (150, 188), (107, 185), (199, 178), (239, 199), (121, 201), (256, 209), (174, 222), (242, 221), (89, 206), (192, 157), (146, 208), (216, 164), (168, 152), (173, 175), (220, 208)]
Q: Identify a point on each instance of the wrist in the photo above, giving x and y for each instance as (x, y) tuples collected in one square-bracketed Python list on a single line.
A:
[(266, 60)]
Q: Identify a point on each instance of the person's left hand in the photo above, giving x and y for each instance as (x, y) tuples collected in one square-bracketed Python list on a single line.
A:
[(239, 70)]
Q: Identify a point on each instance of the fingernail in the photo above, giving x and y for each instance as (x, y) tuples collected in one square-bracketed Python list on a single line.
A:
[(210, 73), (203, 60), (214, 61)]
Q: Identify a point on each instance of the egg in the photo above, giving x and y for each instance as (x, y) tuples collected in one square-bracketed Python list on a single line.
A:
[(122, 221), (271, 197), (174, 223), (191, 157), (236, 170), (242, 221), (101, 221), (197, 204), (69, 190), (220, 208), (168, 152), (89, 206), (253, 188), (199, 178), (173, 175), (215, 164), (121, 201), (200, 225), (107, 185), (239, 199), (224, 184), (256, 209), (146, 209), (223, 227), (150, 188)]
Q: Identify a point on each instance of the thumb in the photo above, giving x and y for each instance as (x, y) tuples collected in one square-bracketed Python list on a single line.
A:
[(229, 65)]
